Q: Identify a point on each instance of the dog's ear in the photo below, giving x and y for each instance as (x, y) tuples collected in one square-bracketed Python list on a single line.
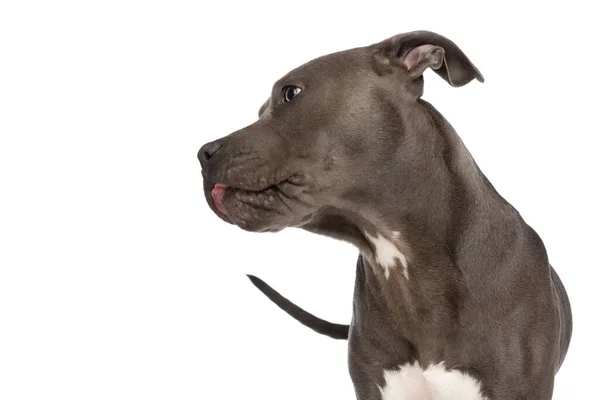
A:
[(416, 51), (263, 108)]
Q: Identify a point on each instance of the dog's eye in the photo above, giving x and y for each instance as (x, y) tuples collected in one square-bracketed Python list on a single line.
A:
[(289, 92)]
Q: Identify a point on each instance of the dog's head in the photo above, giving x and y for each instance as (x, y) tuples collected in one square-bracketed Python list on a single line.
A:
[(330, 129)]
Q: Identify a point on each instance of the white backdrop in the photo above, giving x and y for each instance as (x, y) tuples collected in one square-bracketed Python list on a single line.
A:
[(118, 282)]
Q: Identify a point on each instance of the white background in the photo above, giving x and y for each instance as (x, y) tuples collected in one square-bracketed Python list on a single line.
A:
[(118, 282)]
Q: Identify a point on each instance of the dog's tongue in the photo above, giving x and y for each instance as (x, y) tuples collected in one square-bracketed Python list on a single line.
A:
[(217, 194)]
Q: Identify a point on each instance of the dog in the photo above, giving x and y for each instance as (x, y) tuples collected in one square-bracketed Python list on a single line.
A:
[(454, 295)]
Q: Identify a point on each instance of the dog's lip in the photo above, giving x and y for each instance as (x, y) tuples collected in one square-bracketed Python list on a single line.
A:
[(222, 187), (219, 190)]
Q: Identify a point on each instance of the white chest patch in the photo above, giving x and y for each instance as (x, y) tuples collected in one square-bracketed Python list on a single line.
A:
[(411, 382), (387, 254)]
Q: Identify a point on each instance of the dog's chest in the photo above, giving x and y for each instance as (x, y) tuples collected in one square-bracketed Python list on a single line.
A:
[(412, 382)]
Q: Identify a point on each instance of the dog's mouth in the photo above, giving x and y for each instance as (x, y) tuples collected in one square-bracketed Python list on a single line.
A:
[(217, 193), (254, 210)]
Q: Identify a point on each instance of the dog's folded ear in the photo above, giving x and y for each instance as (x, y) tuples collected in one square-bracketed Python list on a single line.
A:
[(416, 51)]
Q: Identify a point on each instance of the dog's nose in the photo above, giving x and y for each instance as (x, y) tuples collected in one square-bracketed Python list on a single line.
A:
[(208, 150)]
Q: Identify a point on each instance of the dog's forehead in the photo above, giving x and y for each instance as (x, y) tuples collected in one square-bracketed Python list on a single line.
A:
[(329, 66)]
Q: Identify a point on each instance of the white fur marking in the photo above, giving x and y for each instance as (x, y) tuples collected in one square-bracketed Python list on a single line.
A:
[(411, 382), (387, 253)]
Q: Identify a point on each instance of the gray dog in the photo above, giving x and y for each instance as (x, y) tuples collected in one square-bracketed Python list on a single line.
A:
[(454, 298)]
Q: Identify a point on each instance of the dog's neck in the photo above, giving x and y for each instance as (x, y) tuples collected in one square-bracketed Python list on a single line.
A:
[(414, 241), (410, 221)]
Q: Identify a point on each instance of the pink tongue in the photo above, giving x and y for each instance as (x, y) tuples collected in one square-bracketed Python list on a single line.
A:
[(217, 194)]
